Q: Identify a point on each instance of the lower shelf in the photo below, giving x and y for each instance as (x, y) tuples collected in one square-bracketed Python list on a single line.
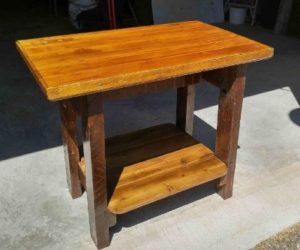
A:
[(151, 164)]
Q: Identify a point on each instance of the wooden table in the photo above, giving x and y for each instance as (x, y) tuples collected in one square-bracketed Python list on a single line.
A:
[(126, 172)]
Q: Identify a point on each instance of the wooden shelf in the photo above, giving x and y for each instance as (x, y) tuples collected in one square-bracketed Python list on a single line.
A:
[(154, 163)]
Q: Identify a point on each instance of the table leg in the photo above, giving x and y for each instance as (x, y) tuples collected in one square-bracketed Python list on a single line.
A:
[(186, 104), (69, 136), (232, 87), (94, 155)]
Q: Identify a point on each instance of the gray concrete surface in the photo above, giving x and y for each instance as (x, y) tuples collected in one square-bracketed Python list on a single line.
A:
[(36, 211)]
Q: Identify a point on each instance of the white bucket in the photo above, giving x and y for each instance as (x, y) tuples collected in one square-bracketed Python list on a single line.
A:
[(237, 15)]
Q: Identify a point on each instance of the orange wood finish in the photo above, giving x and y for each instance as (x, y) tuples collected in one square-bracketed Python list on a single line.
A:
[(152, 164), (80, 64)]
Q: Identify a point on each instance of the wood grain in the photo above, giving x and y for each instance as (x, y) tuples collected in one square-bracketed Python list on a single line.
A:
[(186, 104), (71, 146), (95, 169), (81, 64), (137, 146), (144, 89), (230, 106), (152, 180), (155, 163)]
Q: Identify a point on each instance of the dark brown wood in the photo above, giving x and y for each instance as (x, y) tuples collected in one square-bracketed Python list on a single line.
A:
[(148, 136), (144, 89), (94, 154), (232, 88), (137, 146), (186, 104), (221, 78), (70, 142)]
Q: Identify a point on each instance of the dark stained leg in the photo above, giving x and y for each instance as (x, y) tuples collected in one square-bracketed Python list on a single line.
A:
[(69, 136), (94, 154), (232, 85), (186, 104)]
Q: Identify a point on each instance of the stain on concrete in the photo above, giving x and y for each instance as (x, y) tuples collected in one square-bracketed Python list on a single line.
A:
[(288, 239)]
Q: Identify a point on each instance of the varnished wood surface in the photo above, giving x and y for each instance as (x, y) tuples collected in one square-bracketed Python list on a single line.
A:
[(81, 64), (155, 163), (146, 182)]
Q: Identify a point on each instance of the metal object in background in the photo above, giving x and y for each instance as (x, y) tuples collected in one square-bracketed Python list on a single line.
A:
[(111, 8), (249, 4)]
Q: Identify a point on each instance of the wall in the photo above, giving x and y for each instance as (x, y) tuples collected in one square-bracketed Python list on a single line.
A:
[(210, 11)]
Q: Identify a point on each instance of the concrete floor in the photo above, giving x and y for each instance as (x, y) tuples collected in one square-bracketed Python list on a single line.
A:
[(36, 211)]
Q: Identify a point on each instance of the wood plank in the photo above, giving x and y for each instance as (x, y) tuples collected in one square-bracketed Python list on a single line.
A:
[(137, 139), (230, 107), (71, 149), (138, 146), (155, 164), (157, 178), (141, 145), (95, 169), (81, 64), (221, 78), (144, 89), (186, 104)]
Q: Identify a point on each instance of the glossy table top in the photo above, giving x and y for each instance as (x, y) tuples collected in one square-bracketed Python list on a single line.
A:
[(80, 64)]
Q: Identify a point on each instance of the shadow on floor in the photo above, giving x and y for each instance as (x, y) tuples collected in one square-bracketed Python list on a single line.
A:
[(295, 114)]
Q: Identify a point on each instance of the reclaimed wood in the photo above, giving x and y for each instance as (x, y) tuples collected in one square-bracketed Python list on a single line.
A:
[(186, 104), (144, 144), (138, 146), (95, 170), (71, 145), (80, 64), (172, 161), (141, 145), (229, 115), (222, 78), (144, 89), (157, 178)]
